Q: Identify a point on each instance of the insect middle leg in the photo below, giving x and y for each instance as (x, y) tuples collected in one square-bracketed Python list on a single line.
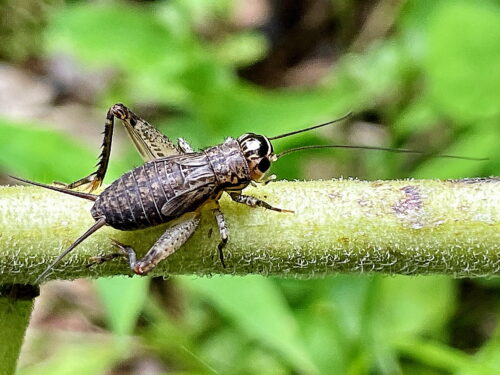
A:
[(167, 244), (224, 234), (254, 202), (184, 146)]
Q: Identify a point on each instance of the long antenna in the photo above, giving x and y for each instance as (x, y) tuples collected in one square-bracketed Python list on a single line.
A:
[(400, 150), (311, 128), (98, 224)]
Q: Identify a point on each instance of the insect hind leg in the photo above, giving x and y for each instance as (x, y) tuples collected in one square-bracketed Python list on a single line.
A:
[(167, 244), (95, 179)]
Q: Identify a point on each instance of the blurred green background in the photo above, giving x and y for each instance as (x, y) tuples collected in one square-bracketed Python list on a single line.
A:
[(418, 74)]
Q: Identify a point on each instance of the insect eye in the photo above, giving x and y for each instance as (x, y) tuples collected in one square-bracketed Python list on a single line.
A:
[(263, 148), (264, 165)]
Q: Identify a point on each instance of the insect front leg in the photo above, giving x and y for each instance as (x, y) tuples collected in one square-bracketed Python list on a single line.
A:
[(254, 202), (221, 223), (167, 244)]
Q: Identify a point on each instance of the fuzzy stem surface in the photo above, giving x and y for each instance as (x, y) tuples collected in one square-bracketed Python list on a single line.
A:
[(393, 227)]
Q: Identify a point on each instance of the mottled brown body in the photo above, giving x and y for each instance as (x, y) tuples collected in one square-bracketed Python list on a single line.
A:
[(165, 189)]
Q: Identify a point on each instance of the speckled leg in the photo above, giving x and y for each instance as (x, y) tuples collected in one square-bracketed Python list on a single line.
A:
[(94, 180), (221, 223), (184, 146), (167, 244), (149, 142), (254, 202)]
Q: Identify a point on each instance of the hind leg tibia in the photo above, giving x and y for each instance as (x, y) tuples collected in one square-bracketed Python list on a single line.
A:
[(149, 142), (94, 180)]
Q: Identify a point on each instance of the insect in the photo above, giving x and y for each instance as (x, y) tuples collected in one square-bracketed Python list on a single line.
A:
[(175, 183)]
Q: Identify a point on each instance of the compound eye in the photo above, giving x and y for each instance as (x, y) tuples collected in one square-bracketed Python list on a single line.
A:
[(263, 148), (264, 165)]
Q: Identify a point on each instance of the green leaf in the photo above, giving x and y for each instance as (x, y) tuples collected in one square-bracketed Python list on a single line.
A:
[(159, 57), (33, 152), (111, 35), (241, 49), (463, 65), (30, 151), (257, 307), (413, 305), (405, 307), (434, 354), (488, 355), (123, 299), (327, 345), (418, 116), (481, 142)]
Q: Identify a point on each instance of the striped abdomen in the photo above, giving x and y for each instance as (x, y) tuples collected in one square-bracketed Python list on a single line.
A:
[(136, 199)]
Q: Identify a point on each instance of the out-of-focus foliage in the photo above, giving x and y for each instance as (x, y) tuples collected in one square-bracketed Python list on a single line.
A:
[(431, 82), (21, 27)]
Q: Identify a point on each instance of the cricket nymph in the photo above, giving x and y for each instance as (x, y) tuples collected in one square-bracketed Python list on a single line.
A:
[(165, 189)]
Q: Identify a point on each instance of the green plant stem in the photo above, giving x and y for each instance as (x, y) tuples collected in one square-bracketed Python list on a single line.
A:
[(394, 227), (16, 303)]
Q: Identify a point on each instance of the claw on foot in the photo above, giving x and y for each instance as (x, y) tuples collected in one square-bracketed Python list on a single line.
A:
[(119, 245), (138, 270), (94, 261), (102, 259)]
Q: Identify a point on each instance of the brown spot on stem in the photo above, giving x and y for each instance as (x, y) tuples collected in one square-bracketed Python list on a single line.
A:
[(475, 180), (409, 209)]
